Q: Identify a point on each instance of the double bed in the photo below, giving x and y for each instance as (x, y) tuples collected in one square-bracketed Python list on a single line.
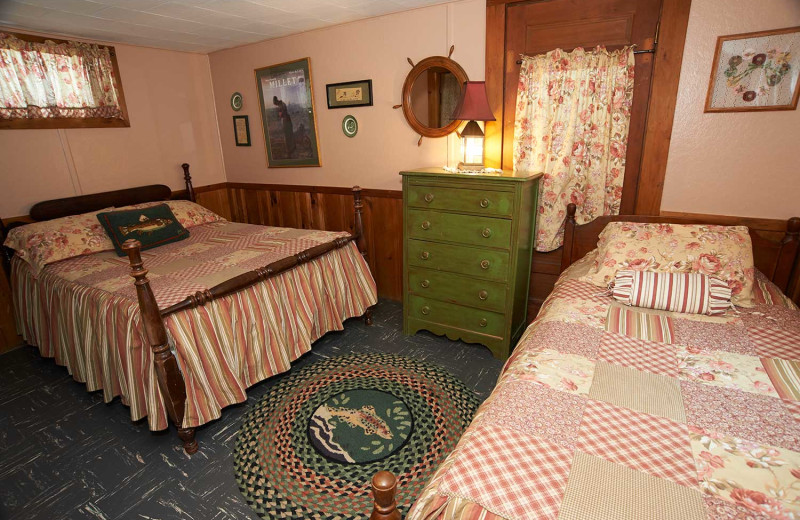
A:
[(608, 411), (180, 331)]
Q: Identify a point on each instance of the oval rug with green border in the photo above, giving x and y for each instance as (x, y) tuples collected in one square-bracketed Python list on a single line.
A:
[(309, 448)]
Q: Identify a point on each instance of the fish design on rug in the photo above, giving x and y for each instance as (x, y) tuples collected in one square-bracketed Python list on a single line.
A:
[(364, 418), (146, 225)]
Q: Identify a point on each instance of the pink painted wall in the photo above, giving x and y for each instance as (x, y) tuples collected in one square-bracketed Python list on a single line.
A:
[(733, 163), (171, 108), (376, 48)]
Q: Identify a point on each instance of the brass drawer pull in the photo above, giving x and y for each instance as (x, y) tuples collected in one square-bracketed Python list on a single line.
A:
[(429, 197), (484, 203), (486, 233), (483, 295), (483, 322), (426, 224), (424, 255), (425, 284), (485, 264), (426, 310)]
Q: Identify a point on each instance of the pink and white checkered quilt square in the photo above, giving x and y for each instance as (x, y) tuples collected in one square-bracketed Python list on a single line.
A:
[(510, 473), (646, 356), (654, 445), (773, 343)]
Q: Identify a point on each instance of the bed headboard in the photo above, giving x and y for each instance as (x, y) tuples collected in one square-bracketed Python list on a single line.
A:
[(57, 208), (777, 259)]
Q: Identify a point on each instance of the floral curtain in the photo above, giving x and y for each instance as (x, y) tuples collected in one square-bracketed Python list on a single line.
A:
[(572, 120), (47, 80)]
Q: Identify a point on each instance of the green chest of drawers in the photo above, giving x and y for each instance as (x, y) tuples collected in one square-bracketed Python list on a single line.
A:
[(467, 244)]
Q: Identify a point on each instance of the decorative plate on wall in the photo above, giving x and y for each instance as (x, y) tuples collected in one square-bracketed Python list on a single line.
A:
[(236, 101), (349, 126)]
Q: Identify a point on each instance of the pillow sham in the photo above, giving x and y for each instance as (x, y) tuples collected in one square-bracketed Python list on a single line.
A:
[(42, 243), (188, 213), (690, 293), (153, 227), (725, 252)]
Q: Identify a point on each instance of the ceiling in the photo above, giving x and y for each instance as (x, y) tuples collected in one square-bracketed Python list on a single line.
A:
[(191, 25)]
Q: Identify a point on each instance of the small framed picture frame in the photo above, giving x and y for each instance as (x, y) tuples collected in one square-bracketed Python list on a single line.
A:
[(241, 130), (755, 71), (350, 94)]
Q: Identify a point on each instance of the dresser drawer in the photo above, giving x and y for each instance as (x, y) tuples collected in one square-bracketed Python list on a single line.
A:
[(459, 289), (466, 229), (483, 263), (494, 203), (476, 320)]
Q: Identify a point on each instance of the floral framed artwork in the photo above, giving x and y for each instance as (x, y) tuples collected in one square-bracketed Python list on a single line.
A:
[(286, 98), (756, 71)]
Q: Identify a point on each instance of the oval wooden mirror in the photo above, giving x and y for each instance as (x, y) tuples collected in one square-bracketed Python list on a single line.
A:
[(430, 95)]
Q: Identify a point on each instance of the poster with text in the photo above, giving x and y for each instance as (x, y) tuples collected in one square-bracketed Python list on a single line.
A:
[(287, 114)]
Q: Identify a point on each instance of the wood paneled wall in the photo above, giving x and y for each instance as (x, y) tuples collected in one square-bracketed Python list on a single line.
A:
[(328, 208), (331, 208)]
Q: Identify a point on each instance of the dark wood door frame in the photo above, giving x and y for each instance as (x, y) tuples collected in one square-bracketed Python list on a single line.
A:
[(661, 107)]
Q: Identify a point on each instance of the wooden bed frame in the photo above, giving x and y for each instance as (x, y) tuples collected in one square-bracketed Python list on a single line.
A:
[(170, 379), (778, 260)]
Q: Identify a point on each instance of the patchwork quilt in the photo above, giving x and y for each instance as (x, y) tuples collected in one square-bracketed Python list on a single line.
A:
[(613, 412)]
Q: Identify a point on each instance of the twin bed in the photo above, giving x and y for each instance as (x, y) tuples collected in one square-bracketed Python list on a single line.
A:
[(607, 411), (602, 411), (201, 320)]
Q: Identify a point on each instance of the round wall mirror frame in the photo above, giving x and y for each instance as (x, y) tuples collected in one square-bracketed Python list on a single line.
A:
[(431, 63)]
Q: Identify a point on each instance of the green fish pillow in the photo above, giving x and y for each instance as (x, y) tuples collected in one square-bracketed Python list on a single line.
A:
[(153, 227)]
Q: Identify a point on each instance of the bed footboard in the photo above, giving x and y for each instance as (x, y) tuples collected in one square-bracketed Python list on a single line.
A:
[(170, 380)]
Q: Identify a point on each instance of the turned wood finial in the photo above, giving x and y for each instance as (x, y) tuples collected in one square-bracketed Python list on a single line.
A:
[(187, 178), (384, 488), (571, 209)]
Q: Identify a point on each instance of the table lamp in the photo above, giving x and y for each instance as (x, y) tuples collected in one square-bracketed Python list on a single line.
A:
[(473, 106)]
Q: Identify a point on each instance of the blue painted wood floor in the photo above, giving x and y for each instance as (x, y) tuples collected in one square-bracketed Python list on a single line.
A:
[(66, 454)]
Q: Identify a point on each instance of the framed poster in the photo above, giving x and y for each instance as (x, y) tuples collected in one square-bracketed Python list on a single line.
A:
[(286, 98), (241, 130), (350, 94), (755, 71)]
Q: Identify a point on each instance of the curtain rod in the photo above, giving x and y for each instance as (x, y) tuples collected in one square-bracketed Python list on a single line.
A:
[(643, 51)]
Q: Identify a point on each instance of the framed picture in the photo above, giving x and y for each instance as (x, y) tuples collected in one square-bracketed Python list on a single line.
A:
[(350, 94), (241, 130), (756, 71), (287, 114)]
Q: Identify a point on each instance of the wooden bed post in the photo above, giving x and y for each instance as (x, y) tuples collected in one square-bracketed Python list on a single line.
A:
[(170, 380), (187, 178), (384, 488), (569, 230), (361, 240)]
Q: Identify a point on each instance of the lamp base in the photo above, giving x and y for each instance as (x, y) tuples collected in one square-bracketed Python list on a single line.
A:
[(470, 166)]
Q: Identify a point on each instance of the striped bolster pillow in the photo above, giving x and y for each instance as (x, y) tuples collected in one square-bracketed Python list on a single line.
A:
[(690, 293)]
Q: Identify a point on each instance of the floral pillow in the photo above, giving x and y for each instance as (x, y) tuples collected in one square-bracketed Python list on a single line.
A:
[(188, 213), (42, 243), (725, 252)]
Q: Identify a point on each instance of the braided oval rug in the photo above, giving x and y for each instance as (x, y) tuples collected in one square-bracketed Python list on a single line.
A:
[(309, 448)]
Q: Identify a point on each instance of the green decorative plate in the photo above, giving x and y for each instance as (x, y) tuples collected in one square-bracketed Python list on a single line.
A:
[(349, 126), (236, 101)]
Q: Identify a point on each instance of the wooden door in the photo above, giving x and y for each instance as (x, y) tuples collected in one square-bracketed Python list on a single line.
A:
[(539, 27), (515, 27)]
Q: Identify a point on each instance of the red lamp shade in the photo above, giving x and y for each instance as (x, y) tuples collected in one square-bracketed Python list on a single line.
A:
[(473, 105)]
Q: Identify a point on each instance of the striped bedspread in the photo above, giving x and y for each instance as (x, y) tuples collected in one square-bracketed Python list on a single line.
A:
[(613, 412), (83, 312)]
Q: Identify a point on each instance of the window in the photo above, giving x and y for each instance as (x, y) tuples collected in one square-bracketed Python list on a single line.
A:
[(47, 83)]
